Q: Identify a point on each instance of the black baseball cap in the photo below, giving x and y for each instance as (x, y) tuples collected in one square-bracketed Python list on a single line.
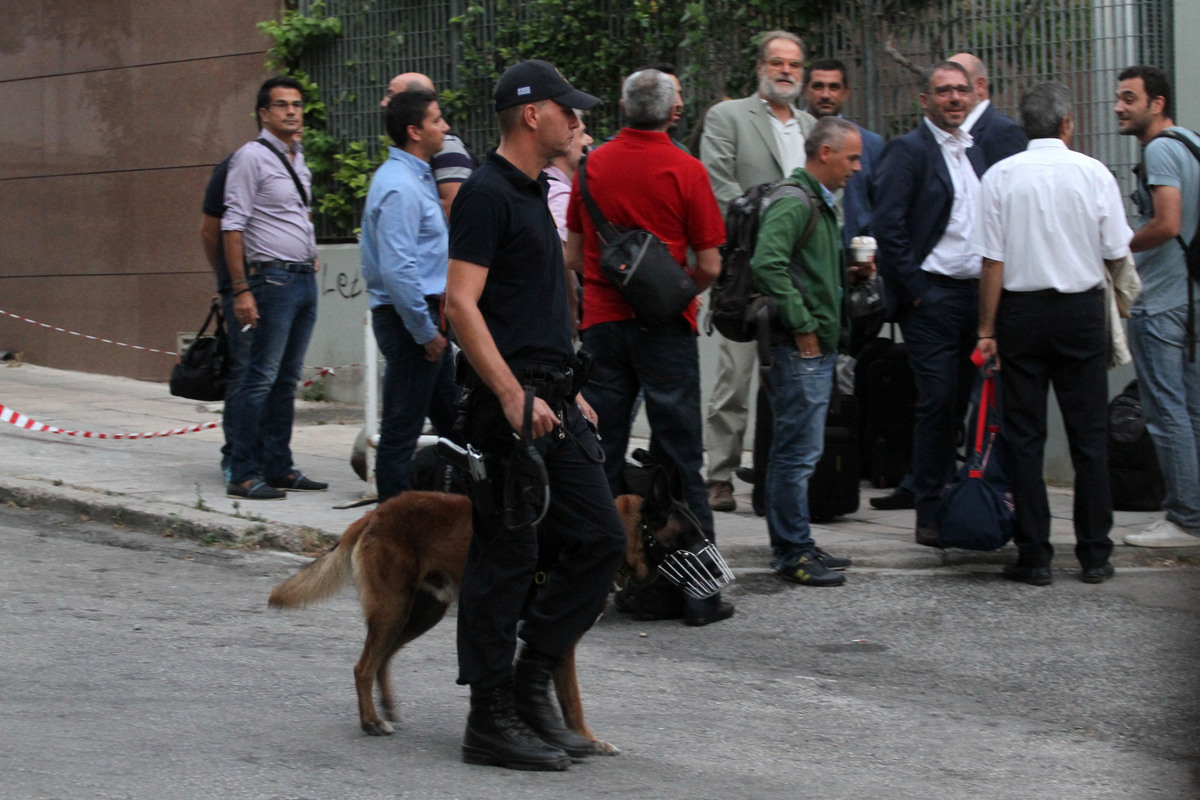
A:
[(534, 80)]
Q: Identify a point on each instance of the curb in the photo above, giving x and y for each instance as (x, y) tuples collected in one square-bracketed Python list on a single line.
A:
[(207, 526), (165, 519)]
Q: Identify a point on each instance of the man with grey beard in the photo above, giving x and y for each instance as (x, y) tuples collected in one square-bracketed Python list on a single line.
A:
[(757, 139)]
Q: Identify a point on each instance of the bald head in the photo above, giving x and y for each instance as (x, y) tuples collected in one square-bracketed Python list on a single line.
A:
[(407, 82), (976, 72)]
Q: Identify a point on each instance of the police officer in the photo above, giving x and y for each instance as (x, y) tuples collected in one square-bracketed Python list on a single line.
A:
[(506, 300)]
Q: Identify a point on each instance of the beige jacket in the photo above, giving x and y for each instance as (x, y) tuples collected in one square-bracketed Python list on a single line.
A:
[(1121, 288)]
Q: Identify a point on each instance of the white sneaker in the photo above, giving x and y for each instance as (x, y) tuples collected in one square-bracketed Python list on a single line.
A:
[(1163, 533)]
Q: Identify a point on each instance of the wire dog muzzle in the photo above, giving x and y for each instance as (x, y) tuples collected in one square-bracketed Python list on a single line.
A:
[(700, 570)]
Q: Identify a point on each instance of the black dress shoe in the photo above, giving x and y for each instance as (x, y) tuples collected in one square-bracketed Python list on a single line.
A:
[(1034, 576), (1097, 574), (901, 498), (926, 535)]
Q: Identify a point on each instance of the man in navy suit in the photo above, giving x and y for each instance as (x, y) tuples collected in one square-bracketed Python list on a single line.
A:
[(926, 190), (826, 90), (996, 135)]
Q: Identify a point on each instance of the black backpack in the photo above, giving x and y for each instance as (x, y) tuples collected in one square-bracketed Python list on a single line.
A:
[(736, 309), (1136, 479), (1191, 250)]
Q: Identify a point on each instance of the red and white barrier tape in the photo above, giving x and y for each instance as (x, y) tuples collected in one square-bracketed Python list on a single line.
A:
[(22, 421), (84, 335), (321, 371)]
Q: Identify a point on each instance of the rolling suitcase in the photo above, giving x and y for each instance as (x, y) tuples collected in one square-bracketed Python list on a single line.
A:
[(887, 396), (834, 485)]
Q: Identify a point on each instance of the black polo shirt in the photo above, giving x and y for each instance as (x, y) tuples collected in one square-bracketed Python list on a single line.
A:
[(500, 220)]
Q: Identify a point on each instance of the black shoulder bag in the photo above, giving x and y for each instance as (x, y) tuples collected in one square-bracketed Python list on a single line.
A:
[(202, 369), (640, 266)]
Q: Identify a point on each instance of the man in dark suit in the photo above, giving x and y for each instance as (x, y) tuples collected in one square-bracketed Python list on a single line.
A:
[(826, 90), (996, 135), (926, 190)]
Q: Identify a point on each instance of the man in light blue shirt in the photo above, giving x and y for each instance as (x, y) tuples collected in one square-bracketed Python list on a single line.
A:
[(404, 258)]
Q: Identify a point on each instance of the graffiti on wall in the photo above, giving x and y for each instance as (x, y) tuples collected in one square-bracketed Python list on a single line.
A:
[(347, 282)]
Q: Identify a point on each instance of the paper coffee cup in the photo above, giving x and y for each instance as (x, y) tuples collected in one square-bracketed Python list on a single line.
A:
[(864, 247)]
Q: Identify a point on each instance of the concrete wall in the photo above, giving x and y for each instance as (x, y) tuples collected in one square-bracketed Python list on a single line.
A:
[(113, 115), (1187, 64)]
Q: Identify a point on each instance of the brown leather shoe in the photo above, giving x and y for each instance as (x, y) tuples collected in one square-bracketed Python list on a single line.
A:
[(720, 496)]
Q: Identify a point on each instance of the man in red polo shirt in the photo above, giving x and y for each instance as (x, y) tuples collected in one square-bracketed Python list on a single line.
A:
[(642, 180)]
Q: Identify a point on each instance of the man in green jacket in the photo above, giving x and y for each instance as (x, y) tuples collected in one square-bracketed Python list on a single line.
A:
[(807, 279)]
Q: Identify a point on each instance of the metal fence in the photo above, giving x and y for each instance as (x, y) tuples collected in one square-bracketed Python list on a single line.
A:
[(1083, 43)]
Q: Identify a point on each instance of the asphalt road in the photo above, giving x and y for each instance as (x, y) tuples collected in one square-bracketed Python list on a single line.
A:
[(133, 666)]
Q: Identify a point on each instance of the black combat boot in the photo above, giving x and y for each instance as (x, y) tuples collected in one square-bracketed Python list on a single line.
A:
[(496, 736), (532, 693)]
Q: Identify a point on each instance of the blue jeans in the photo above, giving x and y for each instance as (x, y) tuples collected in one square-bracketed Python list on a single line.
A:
[(1169, 386), (941, 335), (665, 364), (799, 391), (261, 407), (236, 358), (413, 387)]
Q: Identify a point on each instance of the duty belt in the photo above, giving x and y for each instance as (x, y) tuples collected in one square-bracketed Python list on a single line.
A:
[(556, 385)]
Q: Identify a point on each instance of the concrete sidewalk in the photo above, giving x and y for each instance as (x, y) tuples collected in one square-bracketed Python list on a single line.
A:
[(172, 485)]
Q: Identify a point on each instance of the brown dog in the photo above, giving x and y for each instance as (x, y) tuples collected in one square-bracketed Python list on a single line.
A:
[(407, 558)]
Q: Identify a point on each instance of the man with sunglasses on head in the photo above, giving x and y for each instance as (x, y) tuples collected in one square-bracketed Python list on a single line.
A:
[(271, 253), (926, 191), (757, 139)]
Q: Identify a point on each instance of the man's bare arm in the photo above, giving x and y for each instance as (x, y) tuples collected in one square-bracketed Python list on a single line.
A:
[(708, 267), (991, 283), (210, 237), (447, 192), (244, 307), (573, 251), (1168, 213)]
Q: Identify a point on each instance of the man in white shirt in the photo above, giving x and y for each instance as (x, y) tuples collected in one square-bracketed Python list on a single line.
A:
[(1050, 221), (926, 194)]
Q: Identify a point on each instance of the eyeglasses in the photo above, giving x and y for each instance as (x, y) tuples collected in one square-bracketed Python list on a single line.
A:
[(947, 90), (296, 104), (778, 63)]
